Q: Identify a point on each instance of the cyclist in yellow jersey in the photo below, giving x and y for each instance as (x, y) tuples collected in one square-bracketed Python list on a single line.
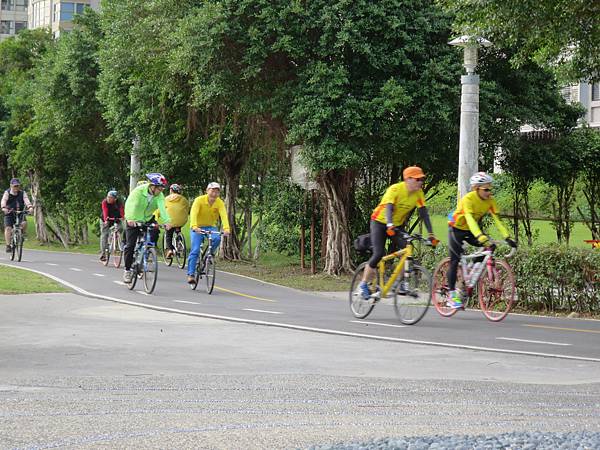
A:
[(464, 227), (178, 208), (205, 213), (392, 212)]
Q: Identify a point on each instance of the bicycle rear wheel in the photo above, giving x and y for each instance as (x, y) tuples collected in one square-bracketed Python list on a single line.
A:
[(164, 249), (209, 273), (412, 305), (440, 287), (117, 251), (359, 306), (180, 250), (150, 270), (497, 291)]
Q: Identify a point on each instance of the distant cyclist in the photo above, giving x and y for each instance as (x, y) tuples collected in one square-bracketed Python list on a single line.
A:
[(206, 211), (14, 199), (392, 213), (113, 211), (464, 227), (139, 207), (178, 208)]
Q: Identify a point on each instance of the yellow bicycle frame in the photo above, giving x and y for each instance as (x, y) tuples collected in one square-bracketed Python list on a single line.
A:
[(403, 254)]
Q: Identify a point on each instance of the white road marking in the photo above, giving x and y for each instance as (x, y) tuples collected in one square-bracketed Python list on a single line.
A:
[(74, 269), (377, 323), (261, 311), (142, 292), (290, 326), (51, 264), (189, 303), (533, 342), (99, 275), (120, 283)]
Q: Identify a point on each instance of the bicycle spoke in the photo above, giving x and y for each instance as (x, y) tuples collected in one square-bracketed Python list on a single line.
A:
[(440, 288), (359, 306), (412, 301)]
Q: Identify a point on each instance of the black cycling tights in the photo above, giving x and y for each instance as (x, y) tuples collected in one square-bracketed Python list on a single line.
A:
[(456, 238)]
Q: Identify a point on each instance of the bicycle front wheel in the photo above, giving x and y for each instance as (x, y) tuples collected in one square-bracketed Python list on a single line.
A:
[(360, 306), (412, 302), (209, 273), (440, 287), (20, 245), (117, 251), (497, 291), (150, 270), (134, 275), (180, 250)]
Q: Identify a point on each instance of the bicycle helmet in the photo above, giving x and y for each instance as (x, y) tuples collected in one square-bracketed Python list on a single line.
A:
[(213, 185), (480, 178), (176, 188), (157, 179), (112, 193)]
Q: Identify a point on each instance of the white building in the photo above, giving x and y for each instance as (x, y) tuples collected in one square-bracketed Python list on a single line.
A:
[(57, 15), (13, 17)]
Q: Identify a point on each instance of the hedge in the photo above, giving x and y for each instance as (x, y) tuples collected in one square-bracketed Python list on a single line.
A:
[(550, 278)]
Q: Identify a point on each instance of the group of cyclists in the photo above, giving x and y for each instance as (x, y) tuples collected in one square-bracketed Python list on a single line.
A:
[(147, 204), (389, 220)]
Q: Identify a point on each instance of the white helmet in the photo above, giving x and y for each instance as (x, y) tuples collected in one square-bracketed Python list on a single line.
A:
[(480, 178)]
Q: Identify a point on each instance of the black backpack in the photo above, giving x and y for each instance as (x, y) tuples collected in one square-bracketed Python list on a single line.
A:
[(362, 244)]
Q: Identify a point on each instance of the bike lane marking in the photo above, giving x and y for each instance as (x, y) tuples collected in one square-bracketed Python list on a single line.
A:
[(241, 294), (532, 342), (189, 303), (99, 275), (75, 269), (377, 323), (578, 330), (301, 327), (261, 311), (51, 264)]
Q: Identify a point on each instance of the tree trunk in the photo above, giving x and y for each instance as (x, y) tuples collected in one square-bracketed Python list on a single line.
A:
[(336, 187), (38, 212), (230, 245)]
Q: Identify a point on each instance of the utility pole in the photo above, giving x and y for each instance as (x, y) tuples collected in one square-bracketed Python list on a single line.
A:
[(134, 174), (468, 148)]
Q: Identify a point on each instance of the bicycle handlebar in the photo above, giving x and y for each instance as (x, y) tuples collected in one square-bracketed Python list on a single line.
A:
[(417, 237), (221, 233), (495, 243)]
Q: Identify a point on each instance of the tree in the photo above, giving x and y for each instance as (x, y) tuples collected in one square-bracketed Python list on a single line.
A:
[(586, 142), (551, 32), (376, 81)]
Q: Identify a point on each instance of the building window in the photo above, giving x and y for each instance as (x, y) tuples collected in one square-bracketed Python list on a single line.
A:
[(21, 5), (67, 10), (20, 26), (596, 92), (7, 5), (7, 27), (14, 5)]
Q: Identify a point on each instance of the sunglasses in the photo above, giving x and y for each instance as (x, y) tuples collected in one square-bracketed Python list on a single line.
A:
[(485, 189), (419, 180)]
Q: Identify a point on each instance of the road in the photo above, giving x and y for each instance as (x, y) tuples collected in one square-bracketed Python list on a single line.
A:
[(241, 299)]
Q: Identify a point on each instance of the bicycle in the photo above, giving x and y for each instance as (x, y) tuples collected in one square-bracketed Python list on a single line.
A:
[(412, 294), (180, 252), (145, 260), (206, 265), (17, 239), (492, 278), (115, 244)]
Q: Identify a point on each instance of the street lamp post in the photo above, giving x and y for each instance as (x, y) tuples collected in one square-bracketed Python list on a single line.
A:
[(468, 148)]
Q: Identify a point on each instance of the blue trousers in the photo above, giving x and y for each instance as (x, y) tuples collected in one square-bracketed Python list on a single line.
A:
[(197, 240)]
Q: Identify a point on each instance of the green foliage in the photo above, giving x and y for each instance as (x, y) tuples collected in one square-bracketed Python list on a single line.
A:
[(554, 278), (563, 34)]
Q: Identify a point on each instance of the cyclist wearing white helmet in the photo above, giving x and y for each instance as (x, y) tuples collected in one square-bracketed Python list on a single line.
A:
[(464, 227), (206, 211), (139, 207)]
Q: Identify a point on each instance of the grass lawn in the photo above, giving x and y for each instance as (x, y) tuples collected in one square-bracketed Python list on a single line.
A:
[(19, 281)]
